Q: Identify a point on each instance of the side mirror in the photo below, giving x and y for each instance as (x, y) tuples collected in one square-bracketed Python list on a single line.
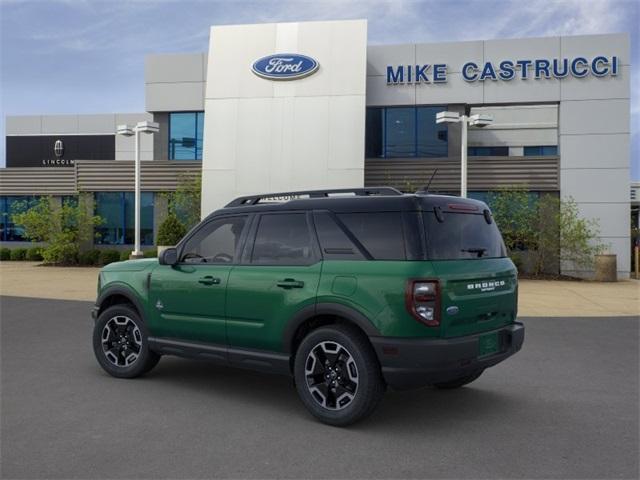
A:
[(169, 256)]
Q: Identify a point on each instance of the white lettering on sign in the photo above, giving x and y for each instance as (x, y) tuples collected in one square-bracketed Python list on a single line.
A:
[(487, 286), (283, 65)]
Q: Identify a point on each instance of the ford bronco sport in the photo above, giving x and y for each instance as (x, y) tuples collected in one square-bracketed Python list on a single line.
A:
[(348, 291)]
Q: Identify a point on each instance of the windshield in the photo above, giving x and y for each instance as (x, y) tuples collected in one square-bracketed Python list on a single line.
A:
[(462, 236)]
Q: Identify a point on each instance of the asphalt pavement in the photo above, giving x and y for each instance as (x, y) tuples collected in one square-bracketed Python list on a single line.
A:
[(566, 406)]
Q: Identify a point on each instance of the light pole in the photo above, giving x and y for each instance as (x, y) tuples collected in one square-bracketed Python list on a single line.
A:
[(127, 131), (477, 120)]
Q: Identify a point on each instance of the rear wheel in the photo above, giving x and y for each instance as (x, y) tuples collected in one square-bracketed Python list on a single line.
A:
[(337, 375), (458, 382), (120, 343)]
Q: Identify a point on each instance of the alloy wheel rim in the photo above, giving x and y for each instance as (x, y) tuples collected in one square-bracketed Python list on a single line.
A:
[(331, 375), (121, 341)]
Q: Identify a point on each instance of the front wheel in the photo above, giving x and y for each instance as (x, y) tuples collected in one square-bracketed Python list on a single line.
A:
[(120, 343), (337, 375)]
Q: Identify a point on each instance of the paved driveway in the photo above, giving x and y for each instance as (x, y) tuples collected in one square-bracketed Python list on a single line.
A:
[(566, 406)]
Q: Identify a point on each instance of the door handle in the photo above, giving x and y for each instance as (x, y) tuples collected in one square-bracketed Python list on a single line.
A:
[(290, 283), (209, 280)]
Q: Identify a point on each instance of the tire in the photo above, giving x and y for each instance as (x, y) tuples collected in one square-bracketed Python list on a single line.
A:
[(458, 382), (337, 375), (120, 343)]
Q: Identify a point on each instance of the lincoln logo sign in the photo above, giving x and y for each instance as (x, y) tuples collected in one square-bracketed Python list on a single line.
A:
[(284, 66), (506, 70), (58, 148)]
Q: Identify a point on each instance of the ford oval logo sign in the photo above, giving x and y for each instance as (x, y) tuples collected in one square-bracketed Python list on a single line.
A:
[(284, 66)]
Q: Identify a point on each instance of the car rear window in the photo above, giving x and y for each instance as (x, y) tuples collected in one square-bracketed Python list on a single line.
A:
[(380, 233), (462, 236)]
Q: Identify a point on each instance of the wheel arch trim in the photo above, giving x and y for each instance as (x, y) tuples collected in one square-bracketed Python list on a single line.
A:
[(124, 292), (350, 314)]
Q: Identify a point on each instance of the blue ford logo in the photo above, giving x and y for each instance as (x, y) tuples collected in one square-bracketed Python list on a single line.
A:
[(284, 66)]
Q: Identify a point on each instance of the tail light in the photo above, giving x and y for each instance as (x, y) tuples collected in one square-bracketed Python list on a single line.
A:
[(422, 298)]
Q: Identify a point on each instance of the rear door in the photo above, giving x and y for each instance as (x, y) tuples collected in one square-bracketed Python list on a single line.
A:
[(478, 281), (278, 276)]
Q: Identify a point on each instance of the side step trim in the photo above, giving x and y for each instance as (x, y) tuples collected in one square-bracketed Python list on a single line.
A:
[(252, 359)]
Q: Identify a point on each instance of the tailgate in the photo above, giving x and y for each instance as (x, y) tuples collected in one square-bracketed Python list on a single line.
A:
[(476, 295)]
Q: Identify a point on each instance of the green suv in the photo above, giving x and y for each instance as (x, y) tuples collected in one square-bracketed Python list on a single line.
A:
[(348, 291)]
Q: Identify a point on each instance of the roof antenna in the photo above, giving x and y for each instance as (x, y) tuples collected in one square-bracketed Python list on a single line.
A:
[(425, 189)]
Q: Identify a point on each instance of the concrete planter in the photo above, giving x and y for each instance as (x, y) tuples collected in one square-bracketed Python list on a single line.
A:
[(606, 268)]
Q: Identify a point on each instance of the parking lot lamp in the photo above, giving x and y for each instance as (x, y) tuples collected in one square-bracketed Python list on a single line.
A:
[(477, 120), (127, 131)]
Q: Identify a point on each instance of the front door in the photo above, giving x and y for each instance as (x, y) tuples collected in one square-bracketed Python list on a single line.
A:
[(279, 275), (188, 299)]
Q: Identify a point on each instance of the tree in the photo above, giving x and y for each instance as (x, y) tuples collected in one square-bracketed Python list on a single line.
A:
[(549, 229), (184, 203), (63, 228), (579, 243), (171, 231), (514, 215)]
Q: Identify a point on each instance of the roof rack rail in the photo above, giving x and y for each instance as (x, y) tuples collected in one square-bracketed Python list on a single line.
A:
[(286, 196)]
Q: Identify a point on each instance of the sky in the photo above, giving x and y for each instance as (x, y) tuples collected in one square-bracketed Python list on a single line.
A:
[(87, 56)]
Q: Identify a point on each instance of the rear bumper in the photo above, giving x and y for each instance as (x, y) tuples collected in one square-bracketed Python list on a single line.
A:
[(412, 363)]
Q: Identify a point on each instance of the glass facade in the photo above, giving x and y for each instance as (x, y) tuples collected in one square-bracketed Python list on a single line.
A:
[(117, 212), (10, 205), (405, 132), (541, 151), (185, 135)]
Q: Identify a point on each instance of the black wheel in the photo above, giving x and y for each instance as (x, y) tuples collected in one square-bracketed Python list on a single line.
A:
[(337, 375), (458, 382), (120, 343)]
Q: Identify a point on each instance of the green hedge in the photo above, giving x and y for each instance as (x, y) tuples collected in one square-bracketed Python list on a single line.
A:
[(90, 257), (34, 254), (109, 256), (18, 254)]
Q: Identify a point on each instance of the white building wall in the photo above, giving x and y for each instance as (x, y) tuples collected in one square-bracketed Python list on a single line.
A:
[(518, 126), (269, 136)]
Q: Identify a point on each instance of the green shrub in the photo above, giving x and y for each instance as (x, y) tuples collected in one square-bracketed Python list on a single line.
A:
[(90, 257), (18, 254), (151, 254), (34, 254), (109, 256), (171, 231), (516, 258), (5, 254), (61, 228), (124, 255)]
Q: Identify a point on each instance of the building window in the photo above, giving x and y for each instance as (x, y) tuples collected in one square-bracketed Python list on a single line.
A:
[(185, 135), (117, 212), (488, 151), (9, 206), (405, 132), (541, 151)]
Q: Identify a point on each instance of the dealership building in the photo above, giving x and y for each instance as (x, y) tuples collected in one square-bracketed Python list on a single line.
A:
[(293, 106)]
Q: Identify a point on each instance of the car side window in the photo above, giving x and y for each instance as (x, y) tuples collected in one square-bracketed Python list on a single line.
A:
[(283, 239), (379, 232), (215, 242), (334, 242)]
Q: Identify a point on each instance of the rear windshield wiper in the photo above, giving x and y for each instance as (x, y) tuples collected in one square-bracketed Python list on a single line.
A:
[(480, 251)]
